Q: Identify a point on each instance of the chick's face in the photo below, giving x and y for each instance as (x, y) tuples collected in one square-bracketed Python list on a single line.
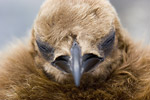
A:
[(75, 37)]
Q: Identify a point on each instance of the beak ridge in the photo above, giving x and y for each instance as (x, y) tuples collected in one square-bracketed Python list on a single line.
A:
[(76, 63)]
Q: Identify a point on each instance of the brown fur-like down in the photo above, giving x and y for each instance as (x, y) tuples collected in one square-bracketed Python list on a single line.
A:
[(124, 75)]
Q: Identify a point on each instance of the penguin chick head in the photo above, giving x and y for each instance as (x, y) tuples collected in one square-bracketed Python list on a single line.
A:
[(74, 37)]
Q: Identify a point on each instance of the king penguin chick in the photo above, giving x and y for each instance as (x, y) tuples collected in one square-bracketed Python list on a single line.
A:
[(78, 51)]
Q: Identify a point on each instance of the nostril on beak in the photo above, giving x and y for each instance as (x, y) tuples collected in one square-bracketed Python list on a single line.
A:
[(90, 61), (62, 63)]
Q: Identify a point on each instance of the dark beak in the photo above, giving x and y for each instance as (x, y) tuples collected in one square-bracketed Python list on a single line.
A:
[(77, 64)]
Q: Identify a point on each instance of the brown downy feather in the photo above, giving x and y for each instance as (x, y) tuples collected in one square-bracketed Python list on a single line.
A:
[(23, 78)]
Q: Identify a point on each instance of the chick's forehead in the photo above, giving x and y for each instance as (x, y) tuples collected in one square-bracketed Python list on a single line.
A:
[(59, 19)]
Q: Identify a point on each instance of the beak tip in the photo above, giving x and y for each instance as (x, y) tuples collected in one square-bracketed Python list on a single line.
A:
[(77, 80), (77, 83)]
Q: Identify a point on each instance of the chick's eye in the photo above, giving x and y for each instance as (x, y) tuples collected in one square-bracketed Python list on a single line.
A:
[(109, 41), (44, 48)]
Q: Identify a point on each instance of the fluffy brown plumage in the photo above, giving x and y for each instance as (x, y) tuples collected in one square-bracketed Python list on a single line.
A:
[(25, 74)]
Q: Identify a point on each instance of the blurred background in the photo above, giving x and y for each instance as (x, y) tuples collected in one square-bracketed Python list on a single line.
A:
[(17, 17)]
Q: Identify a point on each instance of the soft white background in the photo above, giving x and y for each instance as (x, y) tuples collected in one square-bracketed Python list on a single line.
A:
[(17, 17)]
